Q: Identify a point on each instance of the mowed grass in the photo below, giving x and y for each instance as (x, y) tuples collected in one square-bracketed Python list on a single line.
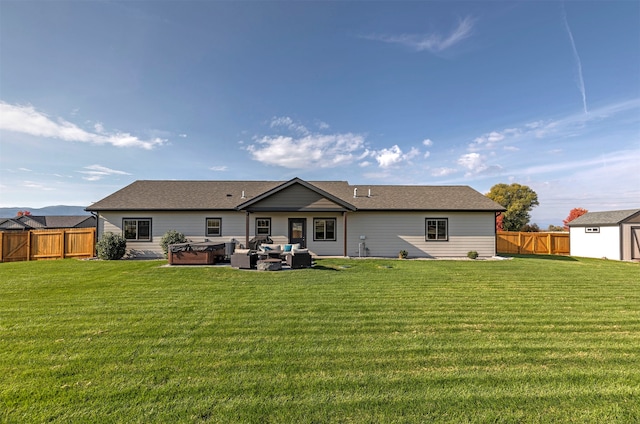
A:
[(533, 339)]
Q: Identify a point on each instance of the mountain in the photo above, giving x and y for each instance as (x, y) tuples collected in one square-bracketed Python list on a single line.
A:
[(59, 210)]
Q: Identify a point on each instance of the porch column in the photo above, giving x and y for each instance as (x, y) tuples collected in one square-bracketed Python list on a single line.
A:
[(344, 237)]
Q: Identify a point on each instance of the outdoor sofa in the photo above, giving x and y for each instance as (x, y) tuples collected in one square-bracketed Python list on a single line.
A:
[(291, 254)]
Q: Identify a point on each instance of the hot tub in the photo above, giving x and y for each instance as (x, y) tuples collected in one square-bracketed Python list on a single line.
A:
[(202, 253)]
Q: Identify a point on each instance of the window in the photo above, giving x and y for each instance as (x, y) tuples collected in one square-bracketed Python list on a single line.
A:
[(592, 229), (437, 229), (263, 226), (214, 227), (324, 229), (137, 229)]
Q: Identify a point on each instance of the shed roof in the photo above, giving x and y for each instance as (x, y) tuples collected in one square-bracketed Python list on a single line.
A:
[(603, 218), (232, 195)]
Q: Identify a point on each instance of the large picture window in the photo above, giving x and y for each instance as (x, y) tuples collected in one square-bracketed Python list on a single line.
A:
[(138, 229), (324, 229), (263, 226), (214, 227), (437, 229)]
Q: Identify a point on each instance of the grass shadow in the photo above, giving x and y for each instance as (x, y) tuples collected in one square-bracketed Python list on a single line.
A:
[(325, 268), (541, 257)]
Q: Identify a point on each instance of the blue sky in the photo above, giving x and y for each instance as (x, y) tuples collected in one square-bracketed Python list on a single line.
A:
[(95, 95)]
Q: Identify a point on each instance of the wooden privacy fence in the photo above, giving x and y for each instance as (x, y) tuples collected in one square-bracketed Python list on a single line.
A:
[(47, 244), (533, 243)]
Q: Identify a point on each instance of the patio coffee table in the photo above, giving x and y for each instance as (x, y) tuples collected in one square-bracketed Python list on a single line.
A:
[(269, 265)]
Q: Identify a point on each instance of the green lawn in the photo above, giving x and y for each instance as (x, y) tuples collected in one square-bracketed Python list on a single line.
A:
[(546, 339)]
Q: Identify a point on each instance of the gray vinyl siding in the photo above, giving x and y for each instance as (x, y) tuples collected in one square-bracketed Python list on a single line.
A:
[(191, 224), (296, 198), (280, 230), (386, 233)]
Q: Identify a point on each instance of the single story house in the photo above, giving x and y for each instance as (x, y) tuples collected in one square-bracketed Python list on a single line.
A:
[(31, 222), (611, 235), (330, 218)]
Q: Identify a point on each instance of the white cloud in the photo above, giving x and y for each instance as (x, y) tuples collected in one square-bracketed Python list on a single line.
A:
[(393, 156), (432, 42), (309, 151), (471, 161), (38, 186), (442, 172), (27, 120), (290, 124), (98, 172), (219, 168), (322, 125), (427, 142), (426, 154), (476, 164)]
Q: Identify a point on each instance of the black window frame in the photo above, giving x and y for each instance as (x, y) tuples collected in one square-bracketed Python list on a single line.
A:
[(137, 238), (437, 220), (335, 229), (206, 226), (258, 233)]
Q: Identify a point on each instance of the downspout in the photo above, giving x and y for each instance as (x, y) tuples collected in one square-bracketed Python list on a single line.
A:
[(246, 231), (344, 224), (97, 215), (495, 233)]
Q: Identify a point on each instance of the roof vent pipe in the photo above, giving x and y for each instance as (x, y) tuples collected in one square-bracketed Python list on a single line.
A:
[(243, 196), (369, 195), (355, 192)]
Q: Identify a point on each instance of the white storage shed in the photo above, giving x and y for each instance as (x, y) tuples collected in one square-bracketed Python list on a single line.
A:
[(610, 235)]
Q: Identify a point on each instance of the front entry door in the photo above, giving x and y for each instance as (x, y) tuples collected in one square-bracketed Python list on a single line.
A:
[(298, 231)]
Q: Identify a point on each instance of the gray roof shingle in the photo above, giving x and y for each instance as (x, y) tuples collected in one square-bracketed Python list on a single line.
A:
[(228, 195), (603, 218)]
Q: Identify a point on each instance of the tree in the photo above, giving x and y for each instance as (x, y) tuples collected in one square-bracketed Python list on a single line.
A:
[(23, 213), (555, 228), (573, 214), (530, 228), (518, 200), (499, 224)]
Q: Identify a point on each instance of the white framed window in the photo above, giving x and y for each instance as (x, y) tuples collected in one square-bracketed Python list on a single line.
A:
[(263, 226), (214, 227), (591, 229), (324, 229), (138, 229), (437, 229)]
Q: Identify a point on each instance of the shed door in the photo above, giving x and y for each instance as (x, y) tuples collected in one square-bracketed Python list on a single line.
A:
[(635, 243)]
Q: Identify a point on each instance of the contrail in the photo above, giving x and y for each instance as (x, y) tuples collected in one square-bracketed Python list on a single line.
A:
[(578, 62)]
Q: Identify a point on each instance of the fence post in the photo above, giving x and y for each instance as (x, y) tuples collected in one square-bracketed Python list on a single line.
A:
[(1, 246), (519, 242), (29, 246), (549, 248), (63, 243)]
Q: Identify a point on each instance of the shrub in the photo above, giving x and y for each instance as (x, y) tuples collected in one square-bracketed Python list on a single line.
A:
[(472, 254), (403, 254), (171, 237), (111, 246)]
